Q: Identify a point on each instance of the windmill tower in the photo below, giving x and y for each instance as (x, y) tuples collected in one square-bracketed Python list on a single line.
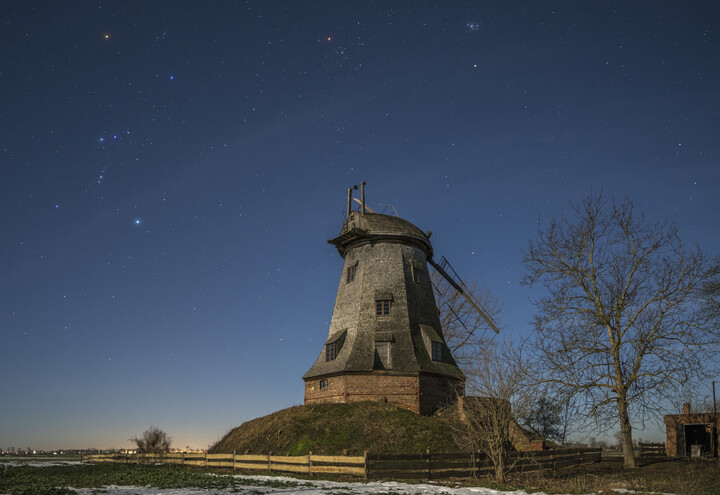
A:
[(385, 341)]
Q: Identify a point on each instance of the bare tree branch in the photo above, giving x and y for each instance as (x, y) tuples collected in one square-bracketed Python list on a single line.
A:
[(464, 329), (619, 325), (496, 394)]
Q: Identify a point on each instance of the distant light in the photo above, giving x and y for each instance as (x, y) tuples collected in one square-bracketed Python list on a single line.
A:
[(172, 77), (137, 221)]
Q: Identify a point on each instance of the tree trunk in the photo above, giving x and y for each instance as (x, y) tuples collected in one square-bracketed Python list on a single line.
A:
[(626, 433), (500, 468)]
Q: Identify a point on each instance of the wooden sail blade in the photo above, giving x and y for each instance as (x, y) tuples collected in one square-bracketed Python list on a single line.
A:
[(459, 286)]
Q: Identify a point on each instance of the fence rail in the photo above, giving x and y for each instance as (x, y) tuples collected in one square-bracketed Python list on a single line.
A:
[(438, 466), (308, 464), (371, 466), (652, 449)]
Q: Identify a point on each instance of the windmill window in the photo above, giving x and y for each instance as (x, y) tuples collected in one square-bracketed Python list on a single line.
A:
[(437, 351), (383, 356), (382, 306), (351, 272), (416, 276), (332, 349), (323, 384)]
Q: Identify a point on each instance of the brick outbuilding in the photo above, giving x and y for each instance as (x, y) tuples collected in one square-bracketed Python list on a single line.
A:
[(691, 434)]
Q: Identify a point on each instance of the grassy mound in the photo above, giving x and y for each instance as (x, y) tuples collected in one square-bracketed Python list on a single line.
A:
[(330, 429)]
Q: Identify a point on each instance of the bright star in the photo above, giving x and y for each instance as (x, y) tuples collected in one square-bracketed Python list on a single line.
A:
[(137, 221)]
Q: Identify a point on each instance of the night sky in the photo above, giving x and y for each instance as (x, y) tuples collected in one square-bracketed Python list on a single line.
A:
[(171, 172)]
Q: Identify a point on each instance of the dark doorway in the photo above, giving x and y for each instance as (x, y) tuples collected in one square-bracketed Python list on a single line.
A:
[(698, 440)]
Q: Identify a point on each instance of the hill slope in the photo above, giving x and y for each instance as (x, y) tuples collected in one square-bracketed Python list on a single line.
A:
[(329, 429)]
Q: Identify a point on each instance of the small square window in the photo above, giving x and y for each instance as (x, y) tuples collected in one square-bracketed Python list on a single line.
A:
[(323, 384), (351, 273), (437, 351), (382, 306)]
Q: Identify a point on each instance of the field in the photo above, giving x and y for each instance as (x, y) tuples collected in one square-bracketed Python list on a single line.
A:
[(60, 476)]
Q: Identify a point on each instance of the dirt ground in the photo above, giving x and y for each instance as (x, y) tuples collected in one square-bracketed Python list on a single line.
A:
[(676, 476)]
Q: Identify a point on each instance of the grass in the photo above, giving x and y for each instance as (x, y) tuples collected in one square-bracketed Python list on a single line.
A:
[(679, 476), (57, 480), (331, 429)]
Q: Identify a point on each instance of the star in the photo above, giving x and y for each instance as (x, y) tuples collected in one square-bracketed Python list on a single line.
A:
[(137, 221)]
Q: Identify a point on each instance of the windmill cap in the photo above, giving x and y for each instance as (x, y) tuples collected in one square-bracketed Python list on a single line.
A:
[(359, 228)]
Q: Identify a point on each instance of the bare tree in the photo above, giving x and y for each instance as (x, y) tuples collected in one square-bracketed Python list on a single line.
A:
[(711, 292), (495, 392), (618, 328), (465, 331), (152, 441)]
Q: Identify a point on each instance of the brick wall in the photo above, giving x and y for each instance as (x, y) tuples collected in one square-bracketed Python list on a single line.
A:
[(674, 421), (420, 394), (438, 391)]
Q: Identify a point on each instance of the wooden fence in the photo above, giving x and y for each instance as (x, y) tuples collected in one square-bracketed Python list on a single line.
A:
[(307, 464), (438, 466), (371, 466), (652, 449)]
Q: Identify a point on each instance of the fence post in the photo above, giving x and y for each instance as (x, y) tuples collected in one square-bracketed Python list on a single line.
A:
[(269, 461), (310, 463), (366, 465), (429, 467), (234, 454), (205, 457)]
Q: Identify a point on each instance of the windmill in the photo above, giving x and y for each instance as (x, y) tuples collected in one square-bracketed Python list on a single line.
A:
[(385, 340), (444, 268)]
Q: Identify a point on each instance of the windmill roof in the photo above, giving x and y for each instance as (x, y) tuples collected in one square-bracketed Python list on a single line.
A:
[(371, 226)]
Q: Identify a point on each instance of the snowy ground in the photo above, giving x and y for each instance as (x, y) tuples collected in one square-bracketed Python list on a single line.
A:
[(294, 486), (306, 487), (37, 461)]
